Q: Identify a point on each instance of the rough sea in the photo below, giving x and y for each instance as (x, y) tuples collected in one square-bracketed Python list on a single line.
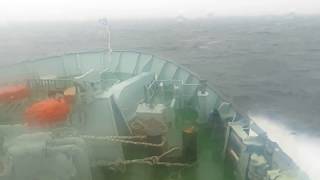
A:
[(268, 66)]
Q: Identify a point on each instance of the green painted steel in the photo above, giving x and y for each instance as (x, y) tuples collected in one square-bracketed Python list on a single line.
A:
[(126, 71)]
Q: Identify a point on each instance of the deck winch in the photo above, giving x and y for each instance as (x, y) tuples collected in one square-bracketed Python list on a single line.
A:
[(120, 115)]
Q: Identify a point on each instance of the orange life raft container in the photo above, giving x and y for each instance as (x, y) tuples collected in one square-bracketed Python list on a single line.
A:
[(13, 93), (47, 112)]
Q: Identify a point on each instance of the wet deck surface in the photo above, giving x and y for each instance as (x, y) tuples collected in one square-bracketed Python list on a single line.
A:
[(209, 165)]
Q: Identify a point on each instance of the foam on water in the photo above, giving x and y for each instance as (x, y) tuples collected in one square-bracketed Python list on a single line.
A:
[(304, 149)]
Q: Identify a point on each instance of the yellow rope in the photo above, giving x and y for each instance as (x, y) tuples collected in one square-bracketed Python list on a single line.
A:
[(152, 160), (112, 137), (125, 140)]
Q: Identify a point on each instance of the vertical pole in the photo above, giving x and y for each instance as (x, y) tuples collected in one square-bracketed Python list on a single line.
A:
[(108, 40), (203, 102)]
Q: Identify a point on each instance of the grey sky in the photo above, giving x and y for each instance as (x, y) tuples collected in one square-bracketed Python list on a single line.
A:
[(13, 10)]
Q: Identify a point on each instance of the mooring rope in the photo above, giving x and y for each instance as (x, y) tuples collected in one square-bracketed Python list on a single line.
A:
[(112, 137), (152, 160), (125, 140)]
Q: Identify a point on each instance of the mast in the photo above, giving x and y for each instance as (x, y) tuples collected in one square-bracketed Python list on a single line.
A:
[(105, 23)]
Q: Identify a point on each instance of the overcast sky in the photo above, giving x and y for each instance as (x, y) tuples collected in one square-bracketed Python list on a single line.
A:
[(26, 10)]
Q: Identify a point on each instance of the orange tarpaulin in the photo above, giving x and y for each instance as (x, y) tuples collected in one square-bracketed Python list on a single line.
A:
[(13, 93), (47, 112)]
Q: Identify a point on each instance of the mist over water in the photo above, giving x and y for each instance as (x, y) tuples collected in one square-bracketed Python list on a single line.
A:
[(303, 148), (267, 65)]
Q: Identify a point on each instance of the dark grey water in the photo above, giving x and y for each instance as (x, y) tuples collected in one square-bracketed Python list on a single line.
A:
[(265, 65)]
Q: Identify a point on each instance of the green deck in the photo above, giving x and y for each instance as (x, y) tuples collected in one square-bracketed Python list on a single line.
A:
[(209, 166)]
